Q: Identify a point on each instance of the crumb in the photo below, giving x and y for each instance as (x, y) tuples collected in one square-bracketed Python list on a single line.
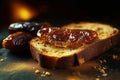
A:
[(100, 61), (102, 70), (45, 74), (1, 60), (37, 71), (115, 57), (97, 79), (33, 67), (105, 74), (104, 61)]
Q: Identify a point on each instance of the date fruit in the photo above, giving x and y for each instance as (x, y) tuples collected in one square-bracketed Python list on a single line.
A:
[(17, 42), (30, 27)]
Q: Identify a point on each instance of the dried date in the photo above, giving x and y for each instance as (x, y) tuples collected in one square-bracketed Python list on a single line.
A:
[(17, 42), (31, 27)]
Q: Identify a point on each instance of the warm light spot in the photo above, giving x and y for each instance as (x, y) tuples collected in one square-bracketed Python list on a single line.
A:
[(22, 12), (73, 78)]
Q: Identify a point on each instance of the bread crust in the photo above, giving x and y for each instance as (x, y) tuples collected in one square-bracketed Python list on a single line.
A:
[(97, 48), (52, 62), (81, 56)]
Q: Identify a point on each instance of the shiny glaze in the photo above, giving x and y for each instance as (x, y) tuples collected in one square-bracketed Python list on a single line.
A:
[(62, 37)]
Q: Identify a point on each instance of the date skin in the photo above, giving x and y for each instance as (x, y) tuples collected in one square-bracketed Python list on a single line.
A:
[(30, 27), (17, 42)]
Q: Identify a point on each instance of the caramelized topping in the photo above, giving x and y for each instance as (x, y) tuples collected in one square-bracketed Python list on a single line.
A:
[(67, 38)]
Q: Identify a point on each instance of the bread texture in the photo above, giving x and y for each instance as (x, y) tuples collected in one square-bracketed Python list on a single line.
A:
[(49, 56)]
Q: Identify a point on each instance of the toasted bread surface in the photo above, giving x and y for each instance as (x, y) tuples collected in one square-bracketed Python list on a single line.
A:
[(55, 57)]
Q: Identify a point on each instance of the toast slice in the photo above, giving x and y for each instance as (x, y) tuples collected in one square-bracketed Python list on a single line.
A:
[(49, 56)]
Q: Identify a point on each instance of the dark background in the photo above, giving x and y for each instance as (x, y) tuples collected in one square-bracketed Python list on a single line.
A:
[(65, 11)]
